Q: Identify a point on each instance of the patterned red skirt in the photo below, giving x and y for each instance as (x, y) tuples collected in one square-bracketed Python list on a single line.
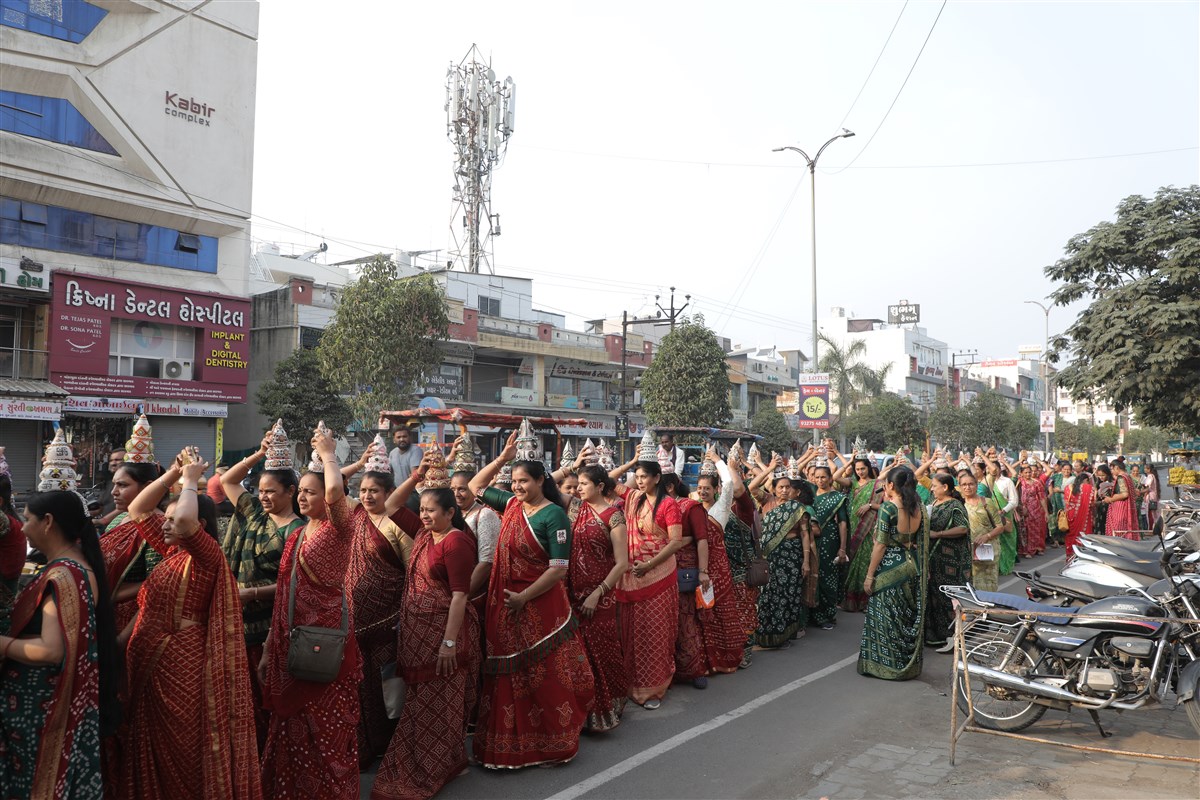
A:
[(649, 628), (534, 716)]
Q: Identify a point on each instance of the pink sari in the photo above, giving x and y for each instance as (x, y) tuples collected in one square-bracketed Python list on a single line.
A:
[(1122, 514)]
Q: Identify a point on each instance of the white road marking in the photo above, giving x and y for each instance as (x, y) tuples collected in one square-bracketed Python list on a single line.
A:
[(680, 739), (635, 761)]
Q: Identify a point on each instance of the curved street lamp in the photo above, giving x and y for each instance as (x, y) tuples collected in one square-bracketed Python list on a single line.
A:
[(812, 184)]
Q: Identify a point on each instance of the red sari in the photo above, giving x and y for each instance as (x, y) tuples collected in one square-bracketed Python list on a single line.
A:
[(591, 561), (649, 605), (429, 746), (1032, 539), (537, 686), (189, 726), (375, 579), (1078, 502), (121, 547), (690, 661), (1122, 514), (312, 746), (722, 627)]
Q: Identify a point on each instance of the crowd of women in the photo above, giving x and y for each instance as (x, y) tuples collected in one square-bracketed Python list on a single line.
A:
[(505, 604)]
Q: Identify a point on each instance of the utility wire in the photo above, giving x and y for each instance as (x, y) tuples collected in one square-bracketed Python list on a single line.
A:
[(899, 91), (873, 66)]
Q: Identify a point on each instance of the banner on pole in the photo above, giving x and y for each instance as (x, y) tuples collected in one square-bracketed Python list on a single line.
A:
[(814, 400), (1048, 421)]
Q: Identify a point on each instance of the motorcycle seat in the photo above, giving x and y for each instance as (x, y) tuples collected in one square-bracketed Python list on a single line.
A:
[(1046, 613), (1092, 591)]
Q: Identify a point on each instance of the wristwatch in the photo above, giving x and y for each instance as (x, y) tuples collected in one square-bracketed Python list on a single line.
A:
[(448, 643)]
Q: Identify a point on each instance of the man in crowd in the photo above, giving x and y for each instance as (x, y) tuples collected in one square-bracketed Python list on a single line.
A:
[(108, 508), (404, 457)]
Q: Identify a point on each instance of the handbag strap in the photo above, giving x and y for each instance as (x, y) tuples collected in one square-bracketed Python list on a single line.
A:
[(345, 628)]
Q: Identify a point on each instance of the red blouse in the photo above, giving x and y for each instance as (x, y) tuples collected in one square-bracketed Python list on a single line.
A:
[(452, 560)]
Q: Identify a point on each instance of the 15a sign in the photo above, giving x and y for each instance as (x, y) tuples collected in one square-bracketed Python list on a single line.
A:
[(814, 401), (904, 313)]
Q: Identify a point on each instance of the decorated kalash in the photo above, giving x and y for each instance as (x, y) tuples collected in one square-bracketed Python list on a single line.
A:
[(140, 447), (466, 457), (528, 448), (316, 463), (58, 467), (279, 452), (437, 473)]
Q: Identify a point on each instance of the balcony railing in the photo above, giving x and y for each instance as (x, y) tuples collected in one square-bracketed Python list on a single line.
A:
[(21, 364)]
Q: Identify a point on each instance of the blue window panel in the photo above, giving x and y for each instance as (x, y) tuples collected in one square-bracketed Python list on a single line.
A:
[(64, 230), (67, 20), (51, 118)]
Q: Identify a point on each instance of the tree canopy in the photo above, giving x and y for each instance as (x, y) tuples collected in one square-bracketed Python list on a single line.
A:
[(886, 423), (384, 338), (300, 395), (851, 381), (987, 419), (1138, 342), (687, 383), (777, 436)]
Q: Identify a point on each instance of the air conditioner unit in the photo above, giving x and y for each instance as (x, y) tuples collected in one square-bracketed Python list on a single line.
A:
[(176, 369)]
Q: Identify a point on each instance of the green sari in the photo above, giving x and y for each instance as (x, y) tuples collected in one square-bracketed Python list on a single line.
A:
[(892, 639), (949, 565), (781, 610), (830, 510), (1006, 551), (983, 517), (858, 549)]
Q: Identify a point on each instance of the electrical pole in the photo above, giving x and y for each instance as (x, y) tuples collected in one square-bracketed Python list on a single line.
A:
[(954, 365), (622, 411), (672, 314)]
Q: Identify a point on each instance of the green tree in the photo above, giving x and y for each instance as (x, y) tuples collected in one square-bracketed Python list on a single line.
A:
[(1103, 438), (1138, 343), (687, 383), (987, 420), (384, 338), (886, 423), (777, 436), (948, 424), (1024, 428), (1146, 440), (1069, 437), (300, 395), (851, 381)]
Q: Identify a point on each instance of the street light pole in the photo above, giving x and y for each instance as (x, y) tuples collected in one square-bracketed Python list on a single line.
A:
[(1044, 370), (812, 185)]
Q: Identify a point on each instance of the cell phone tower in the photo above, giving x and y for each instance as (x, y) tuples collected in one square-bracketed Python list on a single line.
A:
[(479, 121)]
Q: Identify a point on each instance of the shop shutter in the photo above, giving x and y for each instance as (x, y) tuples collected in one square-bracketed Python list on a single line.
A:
[(23, 451), (172, 434)]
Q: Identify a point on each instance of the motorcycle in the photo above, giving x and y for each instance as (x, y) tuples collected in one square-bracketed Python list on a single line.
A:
[(1133, 565), (1130, 652)]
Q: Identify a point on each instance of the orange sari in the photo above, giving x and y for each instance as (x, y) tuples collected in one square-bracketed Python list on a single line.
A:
[(189, 727)]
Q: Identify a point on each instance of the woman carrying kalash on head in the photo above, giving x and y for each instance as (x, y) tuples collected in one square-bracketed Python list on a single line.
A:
[(537, 685), (892, 639)]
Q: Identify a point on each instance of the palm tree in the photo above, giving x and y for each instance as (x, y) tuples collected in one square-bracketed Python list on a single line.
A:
[(853, 382)]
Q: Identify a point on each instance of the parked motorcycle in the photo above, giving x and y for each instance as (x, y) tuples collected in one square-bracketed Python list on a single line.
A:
[(1025, 657)]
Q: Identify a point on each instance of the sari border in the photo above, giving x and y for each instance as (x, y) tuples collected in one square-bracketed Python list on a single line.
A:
[(516, 662), (52, 746)]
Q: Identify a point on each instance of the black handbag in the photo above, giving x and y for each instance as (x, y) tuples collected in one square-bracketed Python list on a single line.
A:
[(689, 579), (757, 571), (314, 654)]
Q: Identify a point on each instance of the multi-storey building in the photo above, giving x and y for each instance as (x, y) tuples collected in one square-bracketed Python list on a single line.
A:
[(502, 355), (127, 132)]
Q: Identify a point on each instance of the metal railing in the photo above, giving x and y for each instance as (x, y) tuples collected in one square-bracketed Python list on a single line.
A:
[(23, 364)]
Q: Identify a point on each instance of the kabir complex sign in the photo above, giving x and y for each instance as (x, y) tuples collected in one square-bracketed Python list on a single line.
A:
[(121, 339), (188, 109)]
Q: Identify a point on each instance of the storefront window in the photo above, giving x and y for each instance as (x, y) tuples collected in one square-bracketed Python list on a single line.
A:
[(592, 394), (93, 438), (560, 386)]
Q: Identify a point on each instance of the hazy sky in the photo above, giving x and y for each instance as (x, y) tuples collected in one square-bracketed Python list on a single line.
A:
[(642, 154)]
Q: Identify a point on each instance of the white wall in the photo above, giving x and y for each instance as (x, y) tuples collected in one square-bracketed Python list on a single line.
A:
[(169, 172)]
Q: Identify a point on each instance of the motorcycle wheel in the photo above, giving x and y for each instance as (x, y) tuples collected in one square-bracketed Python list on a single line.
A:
[(1193, 708), (999, 708)]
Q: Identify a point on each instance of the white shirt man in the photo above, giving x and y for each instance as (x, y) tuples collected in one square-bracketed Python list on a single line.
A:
[(404, 458)]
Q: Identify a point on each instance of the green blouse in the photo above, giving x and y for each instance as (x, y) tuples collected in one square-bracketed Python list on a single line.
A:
[(549, 524)]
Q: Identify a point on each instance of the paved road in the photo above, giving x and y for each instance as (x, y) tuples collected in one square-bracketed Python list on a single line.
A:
[(802, 723)]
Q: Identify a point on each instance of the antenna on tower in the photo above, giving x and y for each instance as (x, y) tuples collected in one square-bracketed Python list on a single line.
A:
[(480, 113)]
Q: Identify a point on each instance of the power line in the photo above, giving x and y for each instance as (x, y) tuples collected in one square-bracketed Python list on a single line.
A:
[(887, 113), (873, 66)]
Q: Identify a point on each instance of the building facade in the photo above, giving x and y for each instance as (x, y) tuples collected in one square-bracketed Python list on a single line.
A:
[(917, 362), (128, 132)]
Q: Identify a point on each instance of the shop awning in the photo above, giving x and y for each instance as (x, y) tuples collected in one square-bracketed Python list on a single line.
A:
[(21, 387), (464, 417)]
